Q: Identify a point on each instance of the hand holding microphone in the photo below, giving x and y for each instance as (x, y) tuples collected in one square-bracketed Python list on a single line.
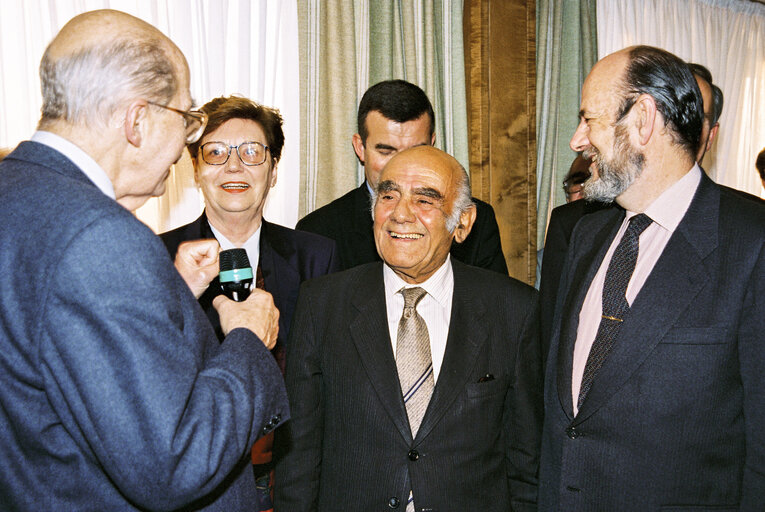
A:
[(242, 305)]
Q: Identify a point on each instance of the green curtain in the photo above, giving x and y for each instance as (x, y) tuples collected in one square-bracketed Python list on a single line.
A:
[(348, 45), (566, 50)]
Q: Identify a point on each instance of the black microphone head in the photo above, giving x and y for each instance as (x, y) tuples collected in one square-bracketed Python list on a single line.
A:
[(235, 274), (231, 259)]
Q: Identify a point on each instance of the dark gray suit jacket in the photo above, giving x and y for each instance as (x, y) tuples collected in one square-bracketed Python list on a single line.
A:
[(675, 415), (347, 220), (115, 392), (352, 449)]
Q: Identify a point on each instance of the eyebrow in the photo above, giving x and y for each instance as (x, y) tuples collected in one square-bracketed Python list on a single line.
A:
[(428, 192), (387, 186)]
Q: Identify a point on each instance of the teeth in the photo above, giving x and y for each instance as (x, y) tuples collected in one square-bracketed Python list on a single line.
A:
[(237, 186), (410, 236)]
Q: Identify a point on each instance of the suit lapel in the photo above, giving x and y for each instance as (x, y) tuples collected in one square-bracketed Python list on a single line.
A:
[(584, 266), (467, 334), (658, 305), (369, 331)]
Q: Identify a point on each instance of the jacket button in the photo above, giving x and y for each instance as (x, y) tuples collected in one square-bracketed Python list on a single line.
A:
[(573, 433), (413, 455), (393, 502)]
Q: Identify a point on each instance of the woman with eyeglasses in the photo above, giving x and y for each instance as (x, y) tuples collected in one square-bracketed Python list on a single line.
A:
[(235, 162)]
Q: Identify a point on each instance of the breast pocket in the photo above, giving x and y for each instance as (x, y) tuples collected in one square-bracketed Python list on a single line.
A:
[(696, 336), (496, 386)]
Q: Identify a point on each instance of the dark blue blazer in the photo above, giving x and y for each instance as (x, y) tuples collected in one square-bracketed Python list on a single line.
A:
[(675, 415), (115, 392), (352, 449), (287, 258)]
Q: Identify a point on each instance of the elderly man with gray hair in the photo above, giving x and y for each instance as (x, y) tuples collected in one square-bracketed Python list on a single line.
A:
[(116, 393), (414, 382)]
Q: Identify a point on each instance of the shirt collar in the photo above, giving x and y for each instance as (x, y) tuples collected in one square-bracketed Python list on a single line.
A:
[(669, 208), (80, 158), (252, 245), (438, 286)]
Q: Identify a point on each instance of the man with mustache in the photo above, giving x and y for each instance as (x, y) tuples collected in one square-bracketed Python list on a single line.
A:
[(654, 383)]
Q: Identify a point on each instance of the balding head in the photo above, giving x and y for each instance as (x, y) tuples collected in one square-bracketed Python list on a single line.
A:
[(422, 204), (101, 59)]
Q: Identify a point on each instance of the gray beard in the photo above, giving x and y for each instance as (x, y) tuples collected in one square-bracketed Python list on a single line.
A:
[(615, 175)]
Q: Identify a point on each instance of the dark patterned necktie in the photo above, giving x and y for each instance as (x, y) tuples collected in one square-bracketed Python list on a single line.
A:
[(615, 305)]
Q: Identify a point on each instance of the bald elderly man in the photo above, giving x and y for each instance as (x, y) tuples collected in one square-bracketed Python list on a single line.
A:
[(116, 393), (414, 382)]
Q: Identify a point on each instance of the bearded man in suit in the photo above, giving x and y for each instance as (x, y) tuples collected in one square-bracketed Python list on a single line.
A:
[(414, 382), (654, 384)]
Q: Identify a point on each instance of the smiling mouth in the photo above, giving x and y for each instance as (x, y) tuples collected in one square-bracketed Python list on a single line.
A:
[(405, 236), (235, 186)]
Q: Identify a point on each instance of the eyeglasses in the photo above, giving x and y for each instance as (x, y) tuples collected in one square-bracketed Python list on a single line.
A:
[(194, 120), (250, 153)]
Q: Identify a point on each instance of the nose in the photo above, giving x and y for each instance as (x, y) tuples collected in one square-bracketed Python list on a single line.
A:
[(402, 212), (579, 141), (234, 163)]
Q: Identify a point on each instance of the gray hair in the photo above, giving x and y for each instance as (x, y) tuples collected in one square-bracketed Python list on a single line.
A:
[(89, 84), (462, 201)]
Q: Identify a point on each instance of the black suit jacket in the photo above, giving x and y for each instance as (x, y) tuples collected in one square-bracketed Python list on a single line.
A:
[(675, 415), (348, 221), (352, 449), (562, 222), (287, 258)]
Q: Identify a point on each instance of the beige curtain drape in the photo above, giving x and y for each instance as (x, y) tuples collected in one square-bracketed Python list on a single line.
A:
[(348, 45)]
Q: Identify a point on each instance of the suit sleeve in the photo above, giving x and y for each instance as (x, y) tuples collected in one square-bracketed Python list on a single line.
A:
[(136, 374), (751, 339), (523, 415), (298, 470)]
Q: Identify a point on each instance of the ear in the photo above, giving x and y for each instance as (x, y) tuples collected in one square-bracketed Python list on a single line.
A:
[(195, 166), (358, 147), (135, 122), (433, 139), (467, 218), (645, 112), (273, 174), (712, 135)]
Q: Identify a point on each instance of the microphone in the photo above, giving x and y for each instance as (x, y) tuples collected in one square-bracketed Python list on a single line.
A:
[(235, 274)]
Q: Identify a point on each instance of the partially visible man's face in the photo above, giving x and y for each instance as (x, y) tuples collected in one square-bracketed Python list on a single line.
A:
[(706, 128), (415, 196), (165, 141), (616, 163), (385, 138)]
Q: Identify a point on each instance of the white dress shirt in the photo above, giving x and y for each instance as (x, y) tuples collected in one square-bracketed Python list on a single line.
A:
[(666, 212), (435, 308), (252, 245)]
